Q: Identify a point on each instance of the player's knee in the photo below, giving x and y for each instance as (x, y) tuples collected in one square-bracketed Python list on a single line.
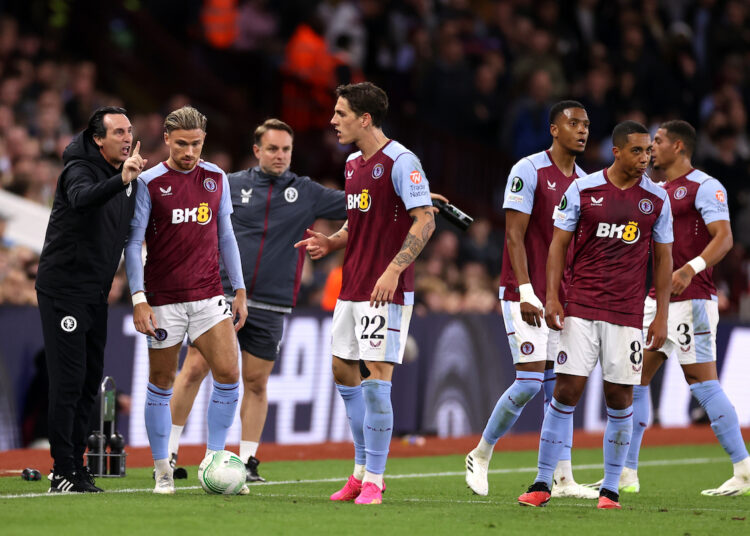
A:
[(194, 373), (345, 374), (566, 394), (523, 391), (255, 384), (226, 374), (162, 379)]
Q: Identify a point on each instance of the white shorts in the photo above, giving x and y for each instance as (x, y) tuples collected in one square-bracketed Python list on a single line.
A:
[(194, 318), (528, 343), (691, 329), (584, 342), (369, 333)]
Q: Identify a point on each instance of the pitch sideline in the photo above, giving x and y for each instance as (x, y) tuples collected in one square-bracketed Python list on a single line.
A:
[(653, 463)]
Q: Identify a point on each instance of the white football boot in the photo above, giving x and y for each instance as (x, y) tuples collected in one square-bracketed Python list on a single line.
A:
[(476, 473), (164, 483)]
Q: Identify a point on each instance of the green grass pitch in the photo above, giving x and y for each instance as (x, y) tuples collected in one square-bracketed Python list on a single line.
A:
[(424, 496)]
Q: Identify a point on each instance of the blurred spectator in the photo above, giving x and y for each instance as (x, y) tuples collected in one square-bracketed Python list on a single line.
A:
[(529, 121), (462, 76)]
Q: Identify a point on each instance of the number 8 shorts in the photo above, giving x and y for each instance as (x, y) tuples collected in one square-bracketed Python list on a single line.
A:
[(691, 329), (360, 331), (584, 342)]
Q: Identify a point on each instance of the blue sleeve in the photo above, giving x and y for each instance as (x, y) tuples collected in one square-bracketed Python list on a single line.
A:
[(329, 203), (230, 253), (136, 235), (568, 212), (225, 203), (663, 225), (520, 188), (711, 201), (410, 182)]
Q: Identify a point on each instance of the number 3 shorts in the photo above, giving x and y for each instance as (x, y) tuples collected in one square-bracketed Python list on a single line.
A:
[(691, 329)]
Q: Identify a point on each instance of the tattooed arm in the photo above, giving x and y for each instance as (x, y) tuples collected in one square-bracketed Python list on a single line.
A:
[(319, 245), (419, 233)]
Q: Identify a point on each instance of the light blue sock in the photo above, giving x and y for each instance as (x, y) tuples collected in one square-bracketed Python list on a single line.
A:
[(723, 417), (616, 443), (511, 403), (355, 412), (378, 426), (158, 420), (641, 412), (555, 430), (220, 414), (548, 386)]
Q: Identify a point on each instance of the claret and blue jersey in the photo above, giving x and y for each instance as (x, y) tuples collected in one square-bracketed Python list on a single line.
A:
[(613, 231), (178, 214), (380, 192), (535, 186), (697, 199)]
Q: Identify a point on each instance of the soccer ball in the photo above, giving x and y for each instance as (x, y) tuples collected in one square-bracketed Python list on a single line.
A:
[(222, 473)]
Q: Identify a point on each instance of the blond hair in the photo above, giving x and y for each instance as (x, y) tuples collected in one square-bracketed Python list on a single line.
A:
[(185, 118), (271, 124)]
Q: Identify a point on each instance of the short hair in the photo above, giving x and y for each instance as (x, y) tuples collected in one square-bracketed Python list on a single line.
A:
[(96, 121), (560, 107), (271, 124), (365, 97), (623, 130), (683, 131), (185, 118)]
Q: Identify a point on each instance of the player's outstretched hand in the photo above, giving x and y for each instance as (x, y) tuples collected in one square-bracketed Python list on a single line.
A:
[(133, 165), (681, 279), (239, 308), (144, 319), (657, 334), (385, 288), (316, 244), (554, 315)]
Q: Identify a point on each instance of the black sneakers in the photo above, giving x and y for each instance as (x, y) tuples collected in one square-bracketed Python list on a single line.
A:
[(75, 482), (252, 470)]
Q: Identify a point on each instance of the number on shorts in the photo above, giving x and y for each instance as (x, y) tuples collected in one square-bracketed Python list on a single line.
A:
[(227, 310), (370, 322), (684, 330), (636, 356)]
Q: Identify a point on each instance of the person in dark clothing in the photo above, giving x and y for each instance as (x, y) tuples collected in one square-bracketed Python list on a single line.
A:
[(86, 233), (272, 209)]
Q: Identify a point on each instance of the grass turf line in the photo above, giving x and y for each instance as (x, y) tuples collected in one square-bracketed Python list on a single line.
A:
[(427, 496)]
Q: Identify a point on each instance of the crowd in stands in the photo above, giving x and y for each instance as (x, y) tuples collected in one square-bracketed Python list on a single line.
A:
[(480, 75)]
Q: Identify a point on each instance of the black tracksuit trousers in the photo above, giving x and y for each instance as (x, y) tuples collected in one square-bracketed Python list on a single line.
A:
[(74, 338)]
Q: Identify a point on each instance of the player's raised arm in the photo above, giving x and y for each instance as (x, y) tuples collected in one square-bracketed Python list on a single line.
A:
[(419, 233), (558, 249)]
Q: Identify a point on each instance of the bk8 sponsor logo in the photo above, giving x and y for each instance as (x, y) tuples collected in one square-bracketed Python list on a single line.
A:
[(629, 233), (362, 201), (201, 214)]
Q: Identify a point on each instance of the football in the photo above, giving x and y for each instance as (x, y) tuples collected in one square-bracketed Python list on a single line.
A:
[(222, 473)]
